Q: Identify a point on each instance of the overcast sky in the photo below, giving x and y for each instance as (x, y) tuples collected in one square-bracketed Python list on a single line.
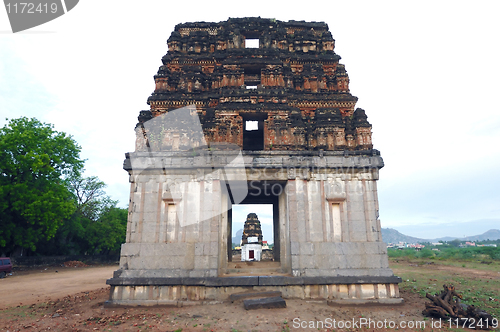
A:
[(427, 74)]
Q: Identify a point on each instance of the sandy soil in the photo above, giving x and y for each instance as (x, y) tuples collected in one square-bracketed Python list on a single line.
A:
[(28, 287), (72, 299)]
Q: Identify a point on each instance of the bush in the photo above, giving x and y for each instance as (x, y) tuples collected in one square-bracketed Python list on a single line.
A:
[(400, 253), (444, 253), (425, 253)]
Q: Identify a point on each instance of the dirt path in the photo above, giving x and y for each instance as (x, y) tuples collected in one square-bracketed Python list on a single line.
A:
[(39, 285)]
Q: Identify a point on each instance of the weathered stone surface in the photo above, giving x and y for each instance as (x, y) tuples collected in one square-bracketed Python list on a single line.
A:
[(250, 295), (265, 303)]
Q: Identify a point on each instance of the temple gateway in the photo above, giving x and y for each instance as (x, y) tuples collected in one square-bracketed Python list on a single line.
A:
[(253, 111)]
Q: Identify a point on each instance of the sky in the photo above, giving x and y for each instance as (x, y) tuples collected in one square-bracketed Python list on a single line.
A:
[(426, 73)]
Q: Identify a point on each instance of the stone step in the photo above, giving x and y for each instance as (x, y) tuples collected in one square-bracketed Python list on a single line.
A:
[(261, 264), (265, 303), (254, 271), (249, 295)]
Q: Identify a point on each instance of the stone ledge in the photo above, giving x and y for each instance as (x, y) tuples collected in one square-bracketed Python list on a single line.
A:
[(154, 161), (341, 302), (253, 281), (155, 303)]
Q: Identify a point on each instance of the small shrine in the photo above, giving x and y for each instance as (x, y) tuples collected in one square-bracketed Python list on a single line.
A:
[(251, 240)]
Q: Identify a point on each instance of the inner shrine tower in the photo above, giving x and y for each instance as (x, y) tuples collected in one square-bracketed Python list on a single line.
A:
[(251, 240)]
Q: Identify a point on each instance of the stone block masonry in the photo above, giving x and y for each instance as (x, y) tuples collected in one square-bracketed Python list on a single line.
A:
[(232, 125)]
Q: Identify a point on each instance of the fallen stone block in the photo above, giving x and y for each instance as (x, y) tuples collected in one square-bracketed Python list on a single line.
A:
[(250, 295), (265, 303)]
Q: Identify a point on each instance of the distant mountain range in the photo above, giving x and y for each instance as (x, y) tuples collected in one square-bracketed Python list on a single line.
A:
[(390, 235)]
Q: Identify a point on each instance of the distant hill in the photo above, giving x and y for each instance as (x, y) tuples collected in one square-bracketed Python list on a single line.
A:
[(390, 235), (453, 230), (492, 234), (237, 238)]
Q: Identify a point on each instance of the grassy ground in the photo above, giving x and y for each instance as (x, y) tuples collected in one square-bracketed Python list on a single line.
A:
[(478, 283)]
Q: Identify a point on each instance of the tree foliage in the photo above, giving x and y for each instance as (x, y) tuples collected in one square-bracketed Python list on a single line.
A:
[(97, 225), (35, 161), (46, 206), (108, 232)]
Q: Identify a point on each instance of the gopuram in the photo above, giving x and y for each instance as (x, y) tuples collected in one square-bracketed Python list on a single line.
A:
[(253, 111)]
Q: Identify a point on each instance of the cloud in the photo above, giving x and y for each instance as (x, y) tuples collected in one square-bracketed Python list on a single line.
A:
[(21, 94)]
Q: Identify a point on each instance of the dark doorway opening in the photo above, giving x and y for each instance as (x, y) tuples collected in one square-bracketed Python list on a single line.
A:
[(252, 76), (253, 131), (260, 193)]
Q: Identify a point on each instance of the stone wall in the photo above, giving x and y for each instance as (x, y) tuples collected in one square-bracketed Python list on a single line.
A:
[(340, 290), (328, 215)]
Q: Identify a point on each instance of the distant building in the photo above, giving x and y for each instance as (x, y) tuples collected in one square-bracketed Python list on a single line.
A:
[(251, 239)]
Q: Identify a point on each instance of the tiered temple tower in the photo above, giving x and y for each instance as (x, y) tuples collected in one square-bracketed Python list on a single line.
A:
[(292, 85), (251, 240), (267, 117), (251, 228)]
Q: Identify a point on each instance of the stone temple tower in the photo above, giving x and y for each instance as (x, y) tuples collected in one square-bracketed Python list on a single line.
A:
[(251, 228), (253, 111), (251, 240)]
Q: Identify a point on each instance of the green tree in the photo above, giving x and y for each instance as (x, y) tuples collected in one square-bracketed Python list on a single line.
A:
[(97, 225), (91, 199), (108, 233), (455, 243), (35, 161)]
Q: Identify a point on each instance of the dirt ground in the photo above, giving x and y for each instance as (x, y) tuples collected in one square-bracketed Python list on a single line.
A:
[(72, 299), (41, 285)]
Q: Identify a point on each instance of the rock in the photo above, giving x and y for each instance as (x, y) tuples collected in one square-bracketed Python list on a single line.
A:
[(249, 295), (265, 303)]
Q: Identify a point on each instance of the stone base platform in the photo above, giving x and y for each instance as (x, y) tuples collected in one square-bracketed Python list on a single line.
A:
[(187, 291)]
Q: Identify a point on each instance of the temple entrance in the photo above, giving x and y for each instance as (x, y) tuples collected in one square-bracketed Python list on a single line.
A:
[(256, 253), (249, 236)]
